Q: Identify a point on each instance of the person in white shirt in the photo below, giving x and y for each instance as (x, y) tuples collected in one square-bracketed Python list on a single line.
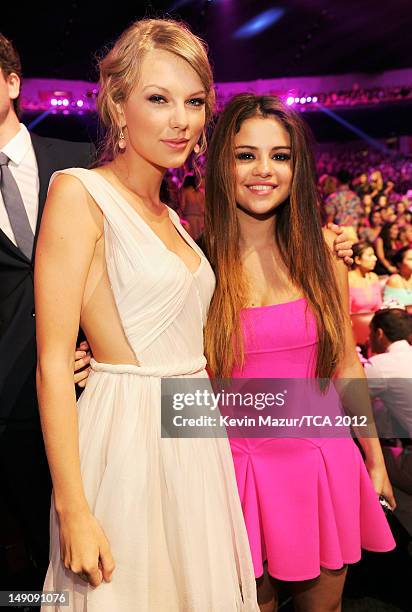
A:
[(389, 374), (389, 371), (27, 162)]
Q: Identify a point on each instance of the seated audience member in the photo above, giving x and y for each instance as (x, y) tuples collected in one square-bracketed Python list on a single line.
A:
[(344, 207), (362, 187), (388, 214), (385, 247), (400, 209), (370, 228), (327, 185), (367, 204), (365, 294), (405, 235), (391, 329), (389, 191), (390, 336), (399, 286), (376, 182)]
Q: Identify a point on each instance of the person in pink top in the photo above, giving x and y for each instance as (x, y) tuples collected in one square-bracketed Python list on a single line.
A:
[(281, 309), (365, 293)]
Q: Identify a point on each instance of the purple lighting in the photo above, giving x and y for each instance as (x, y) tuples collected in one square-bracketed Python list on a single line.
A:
[(65, 102), (290, 100), (302, 100), (80, 103)]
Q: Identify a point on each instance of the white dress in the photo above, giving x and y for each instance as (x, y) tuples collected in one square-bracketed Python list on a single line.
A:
[(169, 507)]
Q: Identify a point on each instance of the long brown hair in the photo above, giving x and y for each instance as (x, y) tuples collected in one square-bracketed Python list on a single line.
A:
[(298, 234)]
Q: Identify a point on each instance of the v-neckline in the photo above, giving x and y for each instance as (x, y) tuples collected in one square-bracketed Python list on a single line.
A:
[(151, 230)]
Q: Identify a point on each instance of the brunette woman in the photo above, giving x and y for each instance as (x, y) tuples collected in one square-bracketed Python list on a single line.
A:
[(280, 309)]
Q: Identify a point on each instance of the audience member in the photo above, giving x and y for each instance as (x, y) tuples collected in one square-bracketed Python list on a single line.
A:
[(390, 336), (344, 207), (389, 379), (399, 286), (386, 246), (365, 294)]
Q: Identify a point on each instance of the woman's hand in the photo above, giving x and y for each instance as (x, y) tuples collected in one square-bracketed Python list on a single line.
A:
[(82, 358), (381, 483), (84, 548), (342, 244)]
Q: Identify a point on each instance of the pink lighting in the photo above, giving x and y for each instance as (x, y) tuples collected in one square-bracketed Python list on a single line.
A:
[(80, 103), (65, 102), (53, 102)]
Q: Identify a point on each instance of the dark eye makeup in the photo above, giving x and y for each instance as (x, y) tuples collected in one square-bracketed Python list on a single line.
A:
[(247, 155), (195, 102)]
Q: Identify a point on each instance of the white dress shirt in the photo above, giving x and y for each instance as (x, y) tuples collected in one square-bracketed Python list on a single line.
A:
[(23, 166), (390, 377)]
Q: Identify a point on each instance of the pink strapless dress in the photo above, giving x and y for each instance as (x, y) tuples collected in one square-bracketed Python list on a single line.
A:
[(365, 299), (307, 503)]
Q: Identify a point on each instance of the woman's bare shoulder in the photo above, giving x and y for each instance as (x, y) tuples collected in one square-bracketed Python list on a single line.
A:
[(69, 199), (395, 281)]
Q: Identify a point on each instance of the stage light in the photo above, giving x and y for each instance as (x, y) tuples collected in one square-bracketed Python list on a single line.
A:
[(59, 102), (80, 103), (259, 23), (65, 102), (290, 100), (309, 99), (314, 99), (297, 100), (302, 100), (53, 102)]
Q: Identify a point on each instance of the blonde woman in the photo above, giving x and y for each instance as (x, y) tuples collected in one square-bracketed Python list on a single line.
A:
[(152, 524)]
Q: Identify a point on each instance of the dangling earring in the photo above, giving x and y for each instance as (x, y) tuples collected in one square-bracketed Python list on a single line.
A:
[(122, 140), (201, 146)]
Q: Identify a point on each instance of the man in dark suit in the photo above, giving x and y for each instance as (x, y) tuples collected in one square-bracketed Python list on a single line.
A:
[(27, 162)]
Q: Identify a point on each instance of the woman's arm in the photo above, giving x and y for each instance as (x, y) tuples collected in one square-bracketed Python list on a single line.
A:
[(355, 392), (71, 226)]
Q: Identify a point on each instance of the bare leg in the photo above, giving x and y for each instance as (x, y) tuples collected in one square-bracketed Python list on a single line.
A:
[(267, 593), (323, 594)]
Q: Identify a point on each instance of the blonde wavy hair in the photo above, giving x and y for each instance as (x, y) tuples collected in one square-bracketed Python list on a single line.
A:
[(120, 71)]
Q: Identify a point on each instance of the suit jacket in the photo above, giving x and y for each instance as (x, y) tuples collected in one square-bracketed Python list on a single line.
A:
[(17, 317)]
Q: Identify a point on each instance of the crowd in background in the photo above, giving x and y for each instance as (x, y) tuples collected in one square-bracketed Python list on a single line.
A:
[(370, 195)]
